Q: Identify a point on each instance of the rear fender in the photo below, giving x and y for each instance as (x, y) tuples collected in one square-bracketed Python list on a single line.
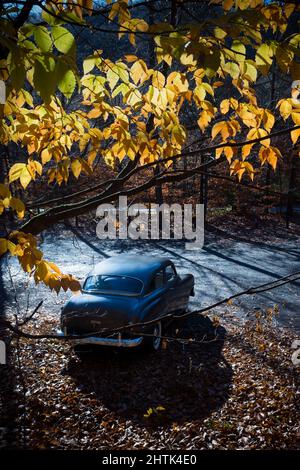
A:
[(187, 282)]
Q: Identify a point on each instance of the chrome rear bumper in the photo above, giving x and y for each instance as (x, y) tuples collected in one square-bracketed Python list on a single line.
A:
[(95, 340)]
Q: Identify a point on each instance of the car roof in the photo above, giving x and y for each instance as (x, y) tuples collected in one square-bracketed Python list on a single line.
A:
[(140, 267)]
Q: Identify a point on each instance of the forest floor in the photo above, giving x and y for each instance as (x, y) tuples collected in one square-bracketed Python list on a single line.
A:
[(236, 389), (239, 391)]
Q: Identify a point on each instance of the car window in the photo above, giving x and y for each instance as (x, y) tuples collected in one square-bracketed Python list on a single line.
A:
[(113, 284), (170, 273), (157, 281)]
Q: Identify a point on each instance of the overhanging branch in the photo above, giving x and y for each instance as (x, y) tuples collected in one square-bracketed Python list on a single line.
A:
[(137, 169), (267, 286)]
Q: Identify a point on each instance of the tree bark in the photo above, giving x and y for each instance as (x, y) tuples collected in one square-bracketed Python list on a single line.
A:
[(291, 187)]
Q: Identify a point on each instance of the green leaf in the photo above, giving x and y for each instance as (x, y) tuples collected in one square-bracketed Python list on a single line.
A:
[(232, 69), (16, 68), (17, 76), (44, 81), (27, 30), (212, 63), (63, 40), (42, 38), (263, 58), (240, 50), (284, 57), (122, 88), (69, 17), (250, 71), (238, 46), (51, 19), (66, 79), (16, 171), (121, 70), (89, 63), (112, 78), (219, 33)]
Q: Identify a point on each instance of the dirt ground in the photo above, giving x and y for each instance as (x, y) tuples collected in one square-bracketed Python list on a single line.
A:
[(233, 390), (236, 387)]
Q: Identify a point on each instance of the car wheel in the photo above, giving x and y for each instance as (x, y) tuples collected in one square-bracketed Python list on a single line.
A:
[(153, 343), (82, 351)]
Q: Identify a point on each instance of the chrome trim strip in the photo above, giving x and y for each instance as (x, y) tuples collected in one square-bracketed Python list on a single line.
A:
[(117, 342)]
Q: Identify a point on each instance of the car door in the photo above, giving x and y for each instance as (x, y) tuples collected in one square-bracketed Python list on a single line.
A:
[(155, 301), (178, 290), (172, 282)]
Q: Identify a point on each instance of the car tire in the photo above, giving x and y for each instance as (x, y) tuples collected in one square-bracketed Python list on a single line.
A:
[(153, 343), (82, 351)]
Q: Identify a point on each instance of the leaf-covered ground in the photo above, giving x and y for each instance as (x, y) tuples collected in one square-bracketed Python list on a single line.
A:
[(238, 392)]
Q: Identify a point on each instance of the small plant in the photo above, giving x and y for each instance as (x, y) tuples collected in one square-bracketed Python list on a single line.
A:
[(154, 411)]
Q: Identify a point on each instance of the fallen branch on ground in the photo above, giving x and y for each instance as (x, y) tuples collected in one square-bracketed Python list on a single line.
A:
[(111, 331)]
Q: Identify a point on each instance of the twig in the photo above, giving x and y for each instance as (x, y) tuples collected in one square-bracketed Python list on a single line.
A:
[(27, 319), (110, 331)]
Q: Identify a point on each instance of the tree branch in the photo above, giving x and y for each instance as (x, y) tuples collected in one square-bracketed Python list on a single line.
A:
[(110, 331), (137, 169)]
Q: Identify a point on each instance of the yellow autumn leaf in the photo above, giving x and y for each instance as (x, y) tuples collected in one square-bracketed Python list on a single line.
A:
[(257, 134), (228, 4), (295, 135), (285, 108), (236, 168), (76, 167), (74, 285), (94, 113), (158, 80), (219, 152), (91, 157), (232, 69), (250, 71), (296, 118), (270, 155), (54, 267), (25, 177), (17, 205), (3, 246), (224, 106), (246, 149), (248, 117), (269, 120), (139, 72), (217, 128), (13, 249), (229, 153), (16, 171), (45, 156), (38, 167), (130, 57), (263, 58), (204, 120), (4, 191)]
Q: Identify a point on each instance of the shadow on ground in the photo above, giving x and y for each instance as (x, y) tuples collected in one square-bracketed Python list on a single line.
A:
[(8, 411), (190, 382)]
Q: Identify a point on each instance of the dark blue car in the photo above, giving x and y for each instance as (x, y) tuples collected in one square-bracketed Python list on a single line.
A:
[(126, 290)]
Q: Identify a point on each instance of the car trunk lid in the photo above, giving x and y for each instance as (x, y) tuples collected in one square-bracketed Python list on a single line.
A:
[(89, 313)]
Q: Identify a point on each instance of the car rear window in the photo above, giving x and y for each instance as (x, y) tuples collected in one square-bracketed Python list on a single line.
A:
[(113, 284)]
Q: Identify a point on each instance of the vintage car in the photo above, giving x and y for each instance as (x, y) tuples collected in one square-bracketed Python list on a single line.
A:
[(126, 290)]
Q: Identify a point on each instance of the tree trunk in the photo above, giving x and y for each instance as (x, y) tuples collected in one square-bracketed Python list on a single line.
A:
[(291, 187)]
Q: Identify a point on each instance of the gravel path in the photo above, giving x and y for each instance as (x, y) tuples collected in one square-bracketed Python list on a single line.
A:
[(221, 268)]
